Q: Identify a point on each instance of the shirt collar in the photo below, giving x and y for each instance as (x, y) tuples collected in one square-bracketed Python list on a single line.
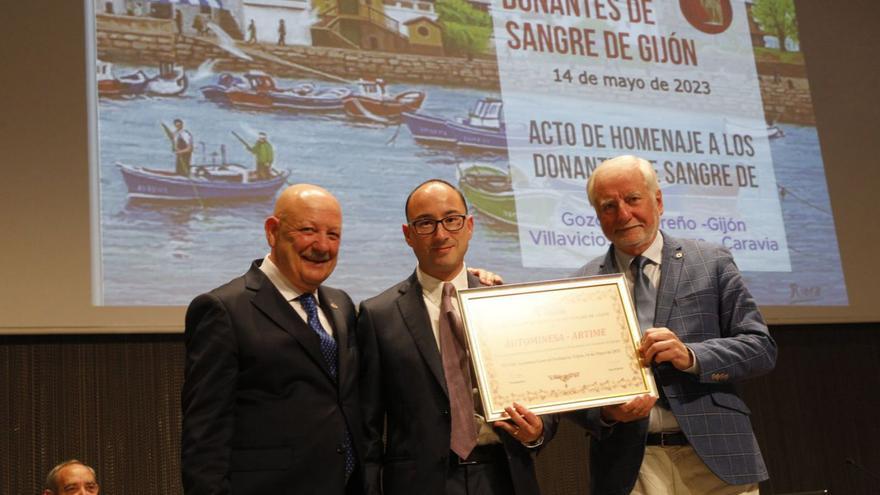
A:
[(287, 289), (432, 287), (653, 253)]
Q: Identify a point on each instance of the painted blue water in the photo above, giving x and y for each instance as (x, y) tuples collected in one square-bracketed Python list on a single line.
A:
[(165, 254), (816, 276)]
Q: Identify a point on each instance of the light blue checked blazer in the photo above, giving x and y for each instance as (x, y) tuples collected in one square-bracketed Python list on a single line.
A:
[(703, 299)]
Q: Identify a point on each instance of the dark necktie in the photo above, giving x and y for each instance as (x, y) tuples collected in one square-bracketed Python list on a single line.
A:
[(643, 292), (330, 352), (456, 368)]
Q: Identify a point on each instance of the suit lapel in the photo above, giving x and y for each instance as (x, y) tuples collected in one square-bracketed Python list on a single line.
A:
[(269, 301), (670, 274), (415, 315), (609, 265)]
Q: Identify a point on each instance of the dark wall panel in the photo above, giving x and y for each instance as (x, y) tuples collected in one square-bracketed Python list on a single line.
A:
[(114, 402), (819, 408)]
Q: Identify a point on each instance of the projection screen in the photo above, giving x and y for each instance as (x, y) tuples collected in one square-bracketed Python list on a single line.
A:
[(514, 101)]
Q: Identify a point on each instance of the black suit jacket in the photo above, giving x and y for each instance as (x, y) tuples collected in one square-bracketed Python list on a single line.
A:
[(261, 412), (404, 396)]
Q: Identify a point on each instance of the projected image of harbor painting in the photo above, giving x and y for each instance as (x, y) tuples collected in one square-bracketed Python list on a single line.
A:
[(207, 109)]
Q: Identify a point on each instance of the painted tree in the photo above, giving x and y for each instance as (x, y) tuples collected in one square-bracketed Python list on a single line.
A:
[(777, 18), (466, 30)]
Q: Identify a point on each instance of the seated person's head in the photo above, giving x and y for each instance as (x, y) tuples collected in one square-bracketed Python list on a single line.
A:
[(71, 478)]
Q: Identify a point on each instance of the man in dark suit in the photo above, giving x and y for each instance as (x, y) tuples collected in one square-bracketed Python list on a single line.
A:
[(269, 398), (435, 442), (702, 332)]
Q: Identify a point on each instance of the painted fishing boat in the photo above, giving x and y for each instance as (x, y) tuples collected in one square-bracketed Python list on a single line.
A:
[(427, 129), (107, 83), (482, 130), (111, 86), (374, 103), (218, 91), (257, 93), (309, 98), (227, 181), (256, 89), (171, 81), (489, 190)]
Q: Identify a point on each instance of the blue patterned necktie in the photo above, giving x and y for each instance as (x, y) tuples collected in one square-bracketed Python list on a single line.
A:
[(643, 292), (328, 344), (331, 353)]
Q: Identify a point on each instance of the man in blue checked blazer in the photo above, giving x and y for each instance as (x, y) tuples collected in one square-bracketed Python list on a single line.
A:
[(706, 335)]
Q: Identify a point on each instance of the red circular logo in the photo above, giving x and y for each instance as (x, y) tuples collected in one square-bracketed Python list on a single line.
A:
[(709, 16)]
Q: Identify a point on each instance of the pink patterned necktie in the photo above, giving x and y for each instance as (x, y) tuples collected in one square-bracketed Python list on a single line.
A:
[(456, 368)]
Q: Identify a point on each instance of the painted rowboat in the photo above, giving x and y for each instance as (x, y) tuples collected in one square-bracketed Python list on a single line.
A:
[(374, 103), (229, 181), (111, 86), (256, 89), (219, 91), (171, 81), (489, 190)]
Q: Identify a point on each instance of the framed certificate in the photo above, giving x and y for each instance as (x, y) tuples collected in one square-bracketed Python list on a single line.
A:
[(554, 346)]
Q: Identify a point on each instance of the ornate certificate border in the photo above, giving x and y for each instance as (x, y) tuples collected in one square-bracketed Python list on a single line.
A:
[(554, 346)]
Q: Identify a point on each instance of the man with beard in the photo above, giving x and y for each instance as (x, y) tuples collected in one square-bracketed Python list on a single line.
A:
[(270, 393)]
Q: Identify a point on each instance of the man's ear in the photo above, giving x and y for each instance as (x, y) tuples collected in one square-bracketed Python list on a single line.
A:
[(271, 228), (405, 228)]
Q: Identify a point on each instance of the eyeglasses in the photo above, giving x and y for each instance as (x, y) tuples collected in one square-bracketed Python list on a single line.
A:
[(427, 226)]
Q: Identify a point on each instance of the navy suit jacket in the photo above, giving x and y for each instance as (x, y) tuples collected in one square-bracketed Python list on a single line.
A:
[(703, 299), (404, 397), (261, 411)]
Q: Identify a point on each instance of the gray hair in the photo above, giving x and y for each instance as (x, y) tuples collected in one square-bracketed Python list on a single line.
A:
[(632, 161)]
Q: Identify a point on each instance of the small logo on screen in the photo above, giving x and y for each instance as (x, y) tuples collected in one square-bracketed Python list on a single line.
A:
[(801, 295), (708, 16)]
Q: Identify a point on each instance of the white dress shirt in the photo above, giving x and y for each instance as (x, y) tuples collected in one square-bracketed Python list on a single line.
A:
[(290, 293)]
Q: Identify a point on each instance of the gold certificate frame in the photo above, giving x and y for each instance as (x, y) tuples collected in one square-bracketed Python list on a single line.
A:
[(554, 346)]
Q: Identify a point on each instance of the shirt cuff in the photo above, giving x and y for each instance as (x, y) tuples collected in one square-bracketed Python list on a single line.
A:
[(695, 368), (534, 444)]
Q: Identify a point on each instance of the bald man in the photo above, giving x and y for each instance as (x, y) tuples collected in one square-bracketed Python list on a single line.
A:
[(71, 478), (269, 397), (423, 428)]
